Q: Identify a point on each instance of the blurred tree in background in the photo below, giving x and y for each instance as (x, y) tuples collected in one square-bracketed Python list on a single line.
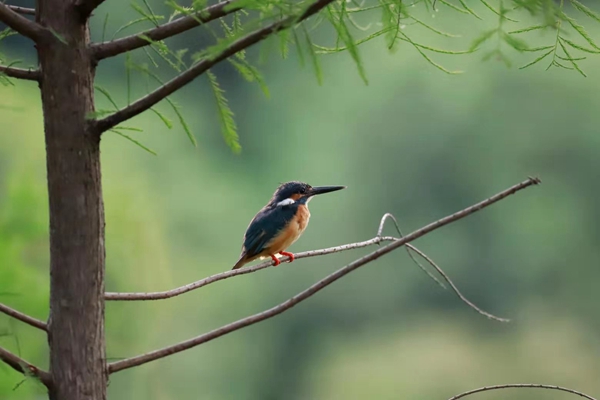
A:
[(415, 142)]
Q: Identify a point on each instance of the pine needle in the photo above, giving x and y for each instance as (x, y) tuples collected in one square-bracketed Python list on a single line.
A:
[(132, 140), (228, 126)]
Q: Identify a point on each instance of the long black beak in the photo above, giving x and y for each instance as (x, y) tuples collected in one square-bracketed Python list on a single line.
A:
[(324, 189)]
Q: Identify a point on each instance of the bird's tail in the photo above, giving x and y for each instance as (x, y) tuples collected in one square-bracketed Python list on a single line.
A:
[(243, 260)]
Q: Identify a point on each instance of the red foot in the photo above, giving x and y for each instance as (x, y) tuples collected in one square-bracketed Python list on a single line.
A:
[(290, 255), (276, 261)]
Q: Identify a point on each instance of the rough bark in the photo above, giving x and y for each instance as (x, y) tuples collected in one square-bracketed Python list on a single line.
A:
[(76, 323)]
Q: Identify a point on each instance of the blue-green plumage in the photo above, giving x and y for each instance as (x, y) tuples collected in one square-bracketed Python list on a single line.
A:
[(266, 225), (278, 224)]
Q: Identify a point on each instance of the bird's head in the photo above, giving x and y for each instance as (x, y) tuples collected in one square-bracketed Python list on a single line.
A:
[(293, 192)]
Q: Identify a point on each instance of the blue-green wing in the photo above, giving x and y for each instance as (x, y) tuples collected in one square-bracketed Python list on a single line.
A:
[(265, 226)]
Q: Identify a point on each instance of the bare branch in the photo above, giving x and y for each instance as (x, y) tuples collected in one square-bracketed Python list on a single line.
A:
[(521, 385), (36, 323), (440, 271), (286, 305), (387, 216), (453, 286), (23, 10), (186, 77), (20, 73), (242, 271), (24, 367), (115, 47), (21, 24)]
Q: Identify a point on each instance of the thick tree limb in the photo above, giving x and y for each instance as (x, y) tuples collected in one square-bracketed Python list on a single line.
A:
[(86, 7), (186, 77), (24, 367), (286, 305), (167, 294), (23, 10), (521, 385), (115, 47), (36, 323), (21, 24), (20, 73)]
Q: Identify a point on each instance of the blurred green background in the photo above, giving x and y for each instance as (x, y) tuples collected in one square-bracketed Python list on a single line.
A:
[(414, 142)]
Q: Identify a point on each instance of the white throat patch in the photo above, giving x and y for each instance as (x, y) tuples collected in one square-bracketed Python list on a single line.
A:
[(285, 202)]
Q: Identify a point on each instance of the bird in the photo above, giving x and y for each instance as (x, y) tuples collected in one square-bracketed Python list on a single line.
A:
[(280, 223)]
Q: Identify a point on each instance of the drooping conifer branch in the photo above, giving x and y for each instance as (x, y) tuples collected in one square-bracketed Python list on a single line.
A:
[(186, 77), (115, 47)]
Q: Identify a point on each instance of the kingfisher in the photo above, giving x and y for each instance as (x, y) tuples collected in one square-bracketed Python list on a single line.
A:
[(280, 223)]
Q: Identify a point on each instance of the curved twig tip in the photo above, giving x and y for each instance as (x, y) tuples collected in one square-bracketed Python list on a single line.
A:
[(417, 263), (439, 270), (522, 386)]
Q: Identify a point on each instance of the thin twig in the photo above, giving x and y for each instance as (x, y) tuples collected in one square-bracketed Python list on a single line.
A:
[(24, 367), (186, 77), (36, 323), (286, 305), (20, 73), (22, 10), (115, 47), (417, 263), (167, 294), (409, 247), (521, 386), (25, 27), (453, 286)]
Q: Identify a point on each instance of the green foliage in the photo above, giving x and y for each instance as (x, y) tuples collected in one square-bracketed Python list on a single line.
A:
[(7, 32), (313, 56), (469, 10), (228, 126), (104, 27), (5, 80), (520, 31), (250, 73), (107, 95), (144, 69), (58, 36), (147, 13), (168, 123), (581, 7), (117, 130), (344, 34), (128, 24)]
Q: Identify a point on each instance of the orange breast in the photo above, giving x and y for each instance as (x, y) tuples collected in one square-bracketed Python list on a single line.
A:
[(292, 232), (302, 217)]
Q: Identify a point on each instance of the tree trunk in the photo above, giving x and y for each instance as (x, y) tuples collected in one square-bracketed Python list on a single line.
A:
[(76, 323)]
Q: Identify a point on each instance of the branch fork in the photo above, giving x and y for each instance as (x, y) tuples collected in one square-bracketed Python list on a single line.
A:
[(318, 286)]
